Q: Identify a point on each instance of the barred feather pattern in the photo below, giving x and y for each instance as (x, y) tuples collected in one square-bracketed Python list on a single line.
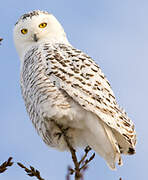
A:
[(55, 75), (40, 94)]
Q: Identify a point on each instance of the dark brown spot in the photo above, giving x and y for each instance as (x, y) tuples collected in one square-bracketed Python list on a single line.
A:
[(88, 74), (102, 76), (54, 67), (66, 60), (118, 125), (110, 95), (88, 92), (63, 78), (83, 83), (75, 85), (80, 79), (78, 51), (126, 124), (121, 117), (94, 70), (104, 103), (53, 62), (94, 88), (50, 73), (108, 83), (82, 66), (108, 99), (82, 59), (98, 82), (125, 136), (68, 82), (87, 64), (88, 84), (75, 70), (70, 74), (62, 70), (131, 151), (98, 107)]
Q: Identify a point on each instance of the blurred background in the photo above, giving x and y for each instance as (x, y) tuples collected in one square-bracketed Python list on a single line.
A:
[(115, 34)]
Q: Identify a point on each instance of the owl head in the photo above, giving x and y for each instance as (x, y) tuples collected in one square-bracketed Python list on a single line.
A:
[(37, 27)]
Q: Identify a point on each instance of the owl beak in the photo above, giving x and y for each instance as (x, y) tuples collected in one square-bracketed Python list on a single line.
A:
[(35, 37)]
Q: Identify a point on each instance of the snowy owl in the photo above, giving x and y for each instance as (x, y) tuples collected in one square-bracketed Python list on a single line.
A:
[(62, 85)]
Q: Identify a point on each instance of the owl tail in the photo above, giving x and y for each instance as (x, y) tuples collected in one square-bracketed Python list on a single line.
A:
[(102, 140)]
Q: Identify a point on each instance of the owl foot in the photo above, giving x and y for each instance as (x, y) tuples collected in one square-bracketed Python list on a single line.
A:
[(59, 134)]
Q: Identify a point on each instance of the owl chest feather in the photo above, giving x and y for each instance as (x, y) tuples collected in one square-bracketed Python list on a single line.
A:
[(44, 100), (38, 91)]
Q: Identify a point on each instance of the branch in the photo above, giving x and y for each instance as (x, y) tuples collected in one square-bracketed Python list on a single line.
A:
[(87, 161), (1, 40), (31, 172), (80, 166), (68, 174), (3, 167)]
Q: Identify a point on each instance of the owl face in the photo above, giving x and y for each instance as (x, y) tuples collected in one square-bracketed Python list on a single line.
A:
[(37, 27)]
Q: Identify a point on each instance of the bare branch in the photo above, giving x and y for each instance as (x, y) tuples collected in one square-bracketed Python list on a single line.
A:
[(68, 173), (31, 172), (87, 149), (3, 167), (87, 161), (80, 166), (73, 153), (1, 40)]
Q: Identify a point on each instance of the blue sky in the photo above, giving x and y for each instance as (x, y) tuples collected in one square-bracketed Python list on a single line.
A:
[(115, 34)]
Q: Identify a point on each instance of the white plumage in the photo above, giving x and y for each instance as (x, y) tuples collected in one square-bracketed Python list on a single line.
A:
[(64, 85)]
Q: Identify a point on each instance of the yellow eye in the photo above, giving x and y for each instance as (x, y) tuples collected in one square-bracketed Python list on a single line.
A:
[(42, 25), (24, 31)]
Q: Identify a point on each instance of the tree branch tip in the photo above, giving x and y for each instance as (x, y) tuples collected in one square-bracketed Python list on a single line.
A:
[(4, 166), (87, 149), (31, 172)]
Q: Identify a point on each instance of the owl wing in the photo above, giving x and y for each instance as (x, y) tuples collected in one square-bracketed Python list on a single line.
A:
[(82, 79)]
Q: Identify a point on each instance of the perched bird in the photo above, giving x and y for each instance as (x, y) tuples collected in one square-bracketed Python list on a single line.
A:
[(63, 85)]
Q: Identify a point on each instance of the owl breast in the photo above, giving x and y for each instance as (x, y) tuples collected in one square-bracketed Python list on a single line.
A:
[(46, 103)]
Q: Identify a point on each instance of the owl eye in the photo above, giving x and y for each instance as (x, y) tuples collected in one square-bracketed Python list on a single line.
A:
[(42, 25), (24, 31)]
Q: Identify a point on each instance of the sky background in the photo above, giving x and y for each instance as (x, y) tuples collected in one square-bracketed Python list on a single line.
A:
[(115, 34)]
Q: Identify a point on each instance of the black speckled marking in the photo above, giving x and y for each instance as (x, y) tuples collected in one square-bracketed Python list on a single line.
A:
[(31, 14)]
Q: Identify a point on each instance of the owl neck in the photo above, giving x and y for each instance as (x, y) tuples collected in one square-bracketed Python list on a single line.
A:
[(23, 49)]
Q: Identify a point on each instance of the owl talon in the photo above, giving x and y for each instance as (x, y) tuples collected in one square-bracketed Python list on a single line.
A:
[(59, 134)]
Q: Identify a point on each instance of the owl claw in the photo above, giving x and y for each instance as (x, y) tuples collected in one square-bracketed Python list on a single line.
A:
[(63, 132), (59, 134)]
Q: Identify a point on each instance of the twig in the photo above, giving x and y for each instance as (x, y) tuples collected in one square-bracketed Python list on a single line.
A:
[(73, 153), (1, 40), (3, 167), (68, 174), (80, 166), (31, 172), (87, 149), (87, 161)]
